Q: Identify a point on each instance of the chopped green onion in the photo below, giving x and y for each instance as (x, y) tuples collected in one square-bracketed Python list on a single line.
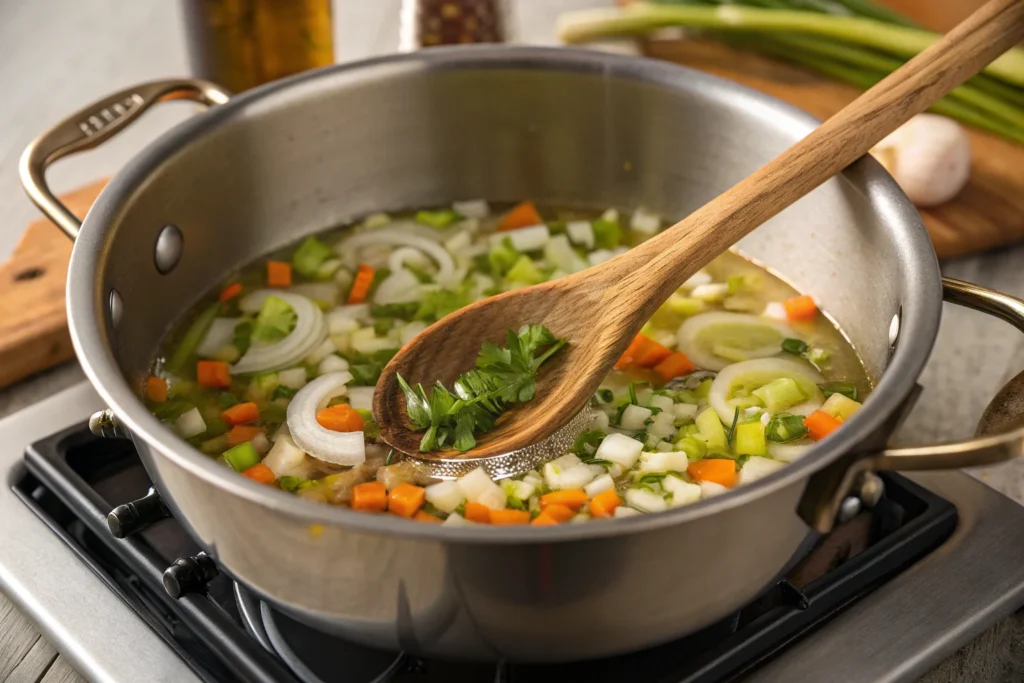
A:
[(605, 395), (797, 347), (847, 389), (242, 457), (587, 442), (441, 218), (783, 428), (282, 391), (405, 311), (289, 483), (310, 254), (226, 400)]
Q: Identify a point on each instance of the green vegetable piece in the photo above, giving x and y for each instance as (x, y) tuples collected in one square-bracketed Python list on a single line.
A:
[(784, 427), (437, 304), (272, 413), (289, 483), (423, 276), (187, 346), (704, 388), (586, 443), (818, 357), (371, 429), (309, 255), (750, 439), (526, 271), (502, 257), (694, 448), (712, 431), (605, 395), (607, 234), (242, 457), (327, 269), (797, 347), (168, 411), (687, 430), (847, 389), (441, 218), (780, 394), (275, 321), (686, 306), (744, 283), (405, 311), (379, 276), (226, 400), (381, 326), (283, 392)]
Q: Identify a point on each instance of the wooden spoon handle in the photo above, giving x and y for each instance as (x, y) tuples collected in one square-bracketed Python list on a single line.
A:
[(652, 271)]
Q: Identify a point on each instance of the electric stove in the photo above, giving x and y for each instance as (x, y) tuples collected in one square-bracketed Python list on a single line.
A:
[(90, 552)]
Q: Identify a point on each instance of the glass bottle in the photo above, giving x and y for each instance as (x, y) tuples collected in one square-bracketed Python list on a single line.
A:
[(240, 44)]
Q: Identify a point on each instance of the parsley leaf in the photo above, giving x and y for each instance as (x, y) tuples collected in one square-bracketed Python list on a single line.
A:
[(502, 376)]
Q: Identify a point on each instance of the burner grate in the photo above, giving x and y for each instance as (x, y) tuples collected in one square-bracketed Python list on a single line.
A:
[(225, 634)]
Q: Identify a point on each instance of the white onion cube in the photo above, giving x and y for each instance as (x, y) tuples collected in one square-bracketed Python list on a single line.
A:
[(683, 492), (684, 411), (190, 424), (645, 501), (620, 449), (758, 468), (663, 403), (710, 488), (671, 461), (361, 398), (445, 496), (599, 485), (293, 378), (645, 222), (332, 363), (472, 208), (623, 511), (634, 417), (581, 233)]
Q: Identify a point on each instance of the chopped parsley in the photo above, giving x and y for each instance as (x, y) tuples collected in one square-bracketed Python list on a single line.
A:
[(502, 376)]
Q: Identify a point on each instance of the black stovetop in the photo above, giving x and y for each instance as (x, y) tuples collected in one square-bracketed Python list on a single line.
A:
[(74, 480)]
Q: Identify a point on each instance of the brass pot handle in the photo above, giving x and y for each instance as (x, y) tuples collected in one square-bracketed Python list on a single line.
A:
[(827, 488), (94, 125)]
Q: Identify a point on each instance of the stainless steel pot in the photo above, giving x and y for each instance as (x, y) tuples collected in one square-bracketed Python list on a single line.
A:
[(263, 169)]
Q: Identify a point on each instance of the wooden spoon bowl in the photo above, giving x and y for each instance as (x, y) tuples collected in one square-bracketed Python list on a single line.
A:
[(600, 309)]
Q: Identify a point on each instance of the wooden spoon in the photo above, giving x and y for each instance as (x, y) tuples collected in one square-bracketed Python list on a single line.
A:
[(600, 309)]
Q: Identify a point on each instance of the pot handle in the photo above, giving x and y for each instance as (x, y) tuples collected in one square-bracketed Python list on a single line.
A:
[(828, 487), (93, 126)]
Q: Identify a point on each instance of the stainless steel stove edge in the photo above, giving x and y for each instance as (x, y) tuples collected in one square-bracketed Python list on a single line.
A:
[(87, 623)]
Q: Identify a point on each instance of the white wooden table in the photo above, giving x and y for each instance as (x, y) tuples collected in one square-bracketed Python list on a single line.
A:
[(56, 56)]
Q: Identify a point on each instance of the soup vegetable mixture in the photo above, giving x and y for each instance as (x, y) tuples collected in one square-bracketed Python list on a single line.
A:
[(735, 376)]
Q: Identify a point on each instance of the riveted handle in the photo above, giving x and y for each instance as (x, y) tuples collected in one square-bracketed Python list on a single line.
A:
[(94, 125), (827, 488)]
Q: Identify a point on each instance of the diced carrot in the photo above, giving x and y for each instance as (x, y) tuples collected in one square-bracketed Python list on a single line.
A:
[(361, 284), (520, 216), (241, 434), (570, 498), (650, 354), (156, 389), (405, 499), (544, 519), (231, 291), (820, 424), (800, 307), (370, 496), (213, 374), (424, 516), (477, 512), (240, 413), (261, 474), (340, 418), (279, 274), (604, 503), (716, 470), (627, 356), (559, 513), (675, 365), (509, 517)]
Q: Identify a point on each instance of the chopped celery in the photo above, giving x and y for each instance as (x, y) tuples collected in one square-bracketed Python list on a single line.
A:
[(607, 233), (441, 218), (371, 430), (327, 270), (840, 407), (712, 431), (243, 336), (214, 446), (704, 388), (694, 448), (310, 254), (275, 320), (744, 283), (818, 357), (780, 394), (684, 305), (242, 457), (783, 428), (289, 483), (740, 303), (847, 389), (526, 271), (502, 257), (797, 347), (272, 412), (437, 304), (750, 439), (687, 430), (405, 311), (187, 346)]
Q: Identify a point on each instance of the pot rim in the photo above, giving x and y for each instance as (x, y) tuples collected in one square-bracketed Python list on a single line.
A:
[(87, 320)]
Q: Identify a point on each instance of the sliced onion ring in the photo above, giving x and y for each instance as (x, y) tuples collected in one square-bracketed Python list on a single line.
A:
[(744, 326), (760, 372), (310, 330), (401, 238), (340, 448)]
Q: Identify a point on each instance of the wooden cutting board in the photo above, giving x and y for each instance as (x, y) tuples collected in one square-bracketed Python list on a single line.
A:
[(33, 324), (988, 213)]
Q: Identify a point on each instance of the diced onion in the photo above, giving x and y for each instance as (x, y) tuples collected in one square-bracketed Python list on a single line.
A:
[(788, 452), (530, 238), (599, 256), (293, 378), (620, 449), (634, 417), (683, 492), (398, 288), (645, 501), (220, 334), (756, 373), (310, 330), (340, 448), (445, 496), (759, 468), (190, 424), (581, 233), (472, 208), (285, 459), (361, 397), (332, 363), (644, 221)]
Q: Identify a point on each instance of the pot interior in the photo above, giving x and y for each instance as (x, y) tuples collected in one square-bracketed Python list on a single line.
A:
[(560, 127)]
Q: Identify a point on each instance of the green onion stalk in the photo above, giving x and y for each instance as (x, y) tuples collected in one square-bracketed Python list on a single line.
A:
[(854, 41)]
